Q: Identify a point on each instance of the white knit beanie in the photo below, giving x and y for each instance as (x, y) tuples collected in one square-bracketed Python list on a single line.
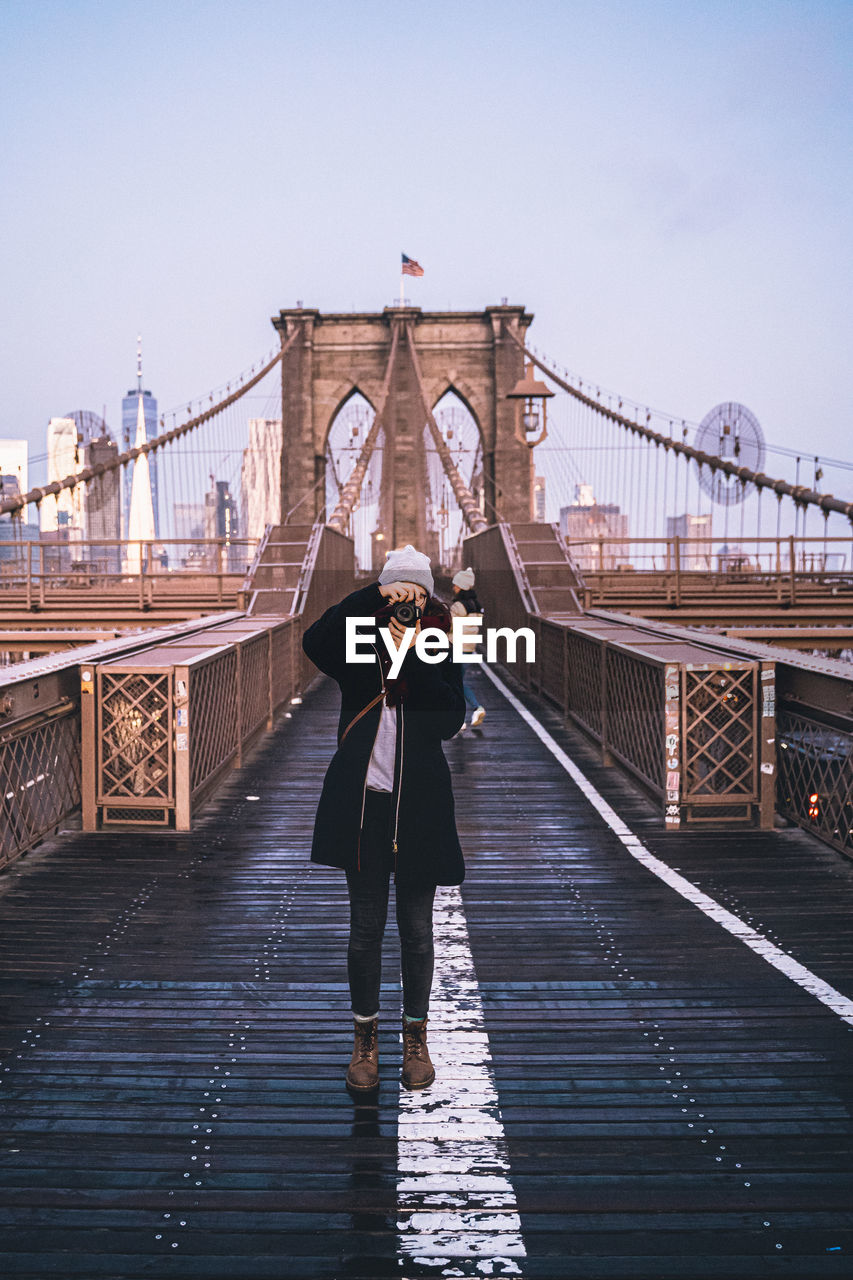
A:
[(464, 579), (407, 565)]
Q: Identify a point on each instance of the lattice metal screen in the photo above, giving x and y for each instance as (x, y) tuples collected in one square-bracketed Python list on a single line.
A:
[(720, 734), (40, 781), (285, 670), (635, 714), (549, 662), (815, 777), (135, 735), (585, 657), (213, 716), (151, 816), (254, 684)]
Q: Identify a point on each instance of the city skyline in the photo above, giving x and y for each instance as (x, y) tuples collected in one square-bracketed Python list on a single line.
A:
[(678, 229)]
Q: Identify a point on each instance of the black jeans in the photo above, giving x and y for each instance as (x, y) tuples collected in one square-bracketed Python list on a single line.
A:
[(368, 895)]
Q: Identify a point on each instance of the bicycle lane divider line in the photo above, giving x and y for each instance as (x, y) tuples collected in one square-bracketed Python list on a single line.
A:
[(456, 1205)]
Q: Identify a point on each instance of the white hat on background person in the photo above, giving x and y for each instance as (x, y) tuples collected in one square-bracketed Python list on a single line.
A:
[(464, 579), (405, 564)]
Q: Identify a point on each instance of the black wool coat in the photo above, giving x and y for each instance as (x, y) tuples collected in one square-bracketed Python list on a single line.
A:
[(432, 708)]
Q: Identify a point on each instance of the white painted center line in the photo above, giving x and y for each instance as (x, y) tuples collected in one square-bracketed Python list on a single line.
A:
[(456, 1205), (833, 999)]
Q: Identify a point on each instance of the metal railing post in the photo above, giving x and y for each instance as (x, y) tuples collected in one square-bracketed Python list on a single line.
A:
[(606, 758), (183, 791), (89, 748), (565, 632), (675, 744), (765, 731), (792, 570), (677, 551), (270, 679), (239, 703)]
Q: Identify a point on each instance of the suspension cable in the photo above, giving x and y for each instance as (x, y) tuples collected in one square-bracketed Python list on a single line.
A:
[(802, 496), (20, 501)]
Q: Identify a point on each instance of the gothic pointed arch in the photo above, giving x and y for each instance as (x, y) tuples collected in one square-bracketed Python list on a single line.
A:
[(348, 429), (342, 395), (466, 394)]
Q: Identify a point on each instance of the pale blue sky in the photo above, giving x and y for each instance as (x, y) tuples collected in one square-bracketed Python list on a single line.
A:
[(667, 186)]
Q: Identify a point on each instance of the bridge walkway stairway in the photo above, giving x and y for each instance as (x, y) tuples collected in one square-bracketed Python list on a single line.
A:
[(625, 1089), (273, 581), (549, 577)]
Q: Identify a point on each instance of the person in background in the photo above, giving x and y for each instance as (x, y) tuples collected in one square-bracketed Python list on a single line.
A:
[(465, 602)]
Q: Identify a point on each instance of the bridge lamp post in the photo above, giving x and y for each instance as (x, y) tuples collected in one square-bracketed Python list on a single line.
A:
[(531, 418), (530, 398), (378, 549)]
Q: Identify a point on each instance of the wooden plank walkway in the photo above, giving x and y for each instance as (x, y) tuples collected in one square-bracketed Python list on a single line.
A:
[(175, 1030)]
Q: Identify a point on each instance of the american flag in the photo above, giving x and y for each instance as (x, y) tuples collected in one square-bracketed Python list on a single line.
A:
[(410, 267)]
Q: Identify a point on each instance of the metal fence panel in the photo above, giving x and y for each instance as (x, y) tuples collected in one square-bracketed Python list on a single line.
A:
[(254, 685), (815, 786), (720, 733), (213, 716), (585, 658), (39, 778), (634, 709), (135, 737)]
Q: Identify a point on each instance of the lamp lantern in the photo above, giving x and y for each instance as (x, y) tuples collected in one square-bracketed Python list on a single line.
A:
[(530, 396)]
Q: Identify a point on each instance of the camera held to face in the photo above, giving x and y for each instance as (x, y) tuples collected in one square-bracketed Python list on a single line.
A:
[(406, 612)]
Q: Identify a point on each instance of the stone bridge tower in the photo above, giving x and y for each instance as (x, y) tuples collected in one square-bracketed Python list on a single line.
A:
[(338, 355)]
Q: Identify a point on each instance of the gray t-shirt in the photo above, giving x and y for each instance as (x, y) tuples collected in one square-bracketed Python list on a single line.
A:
[(380, 771)]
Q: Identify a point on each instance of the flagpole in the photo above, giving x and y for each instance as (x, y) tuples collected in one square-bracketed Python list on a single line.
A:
[(402, 289)]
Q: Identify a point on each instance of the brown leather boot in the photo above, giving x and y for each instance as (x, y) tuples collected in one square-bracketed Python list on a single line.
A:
[(418, 1070), (363, 1070)]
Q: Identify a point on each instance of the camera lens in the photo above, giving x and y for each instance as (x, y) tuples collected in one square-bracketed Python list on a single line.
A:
[(406, 614)]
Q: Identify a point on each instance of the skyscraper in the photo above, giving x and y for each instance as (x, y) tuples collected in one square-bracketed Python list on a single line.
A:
[(140, 517), (101, 499), (586, 521), (14, 481), (64, 511), (260, 476), (13, 463), (697, 553), (129, 419), (89, 511), (221, 521)]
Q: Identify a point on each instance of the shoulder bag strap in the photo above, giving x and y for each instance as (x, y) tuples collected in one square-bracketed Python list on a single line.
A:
[(361, 713)]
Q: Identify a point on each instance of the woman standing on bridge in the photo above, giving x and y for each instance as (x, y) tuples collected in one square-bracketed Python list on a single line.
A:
[(386, 805)]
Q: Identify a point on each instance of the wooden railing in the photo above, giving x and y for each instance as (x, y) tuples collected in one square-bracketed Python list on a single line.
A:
[(678, 568), (38, 572)]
